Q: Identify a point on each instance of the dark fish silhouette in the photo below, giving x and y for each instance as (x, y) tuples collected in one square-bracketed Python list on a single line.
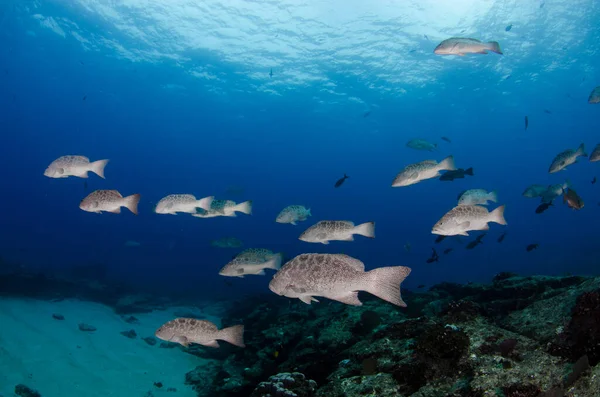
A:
[(434, 256), (84, 98), (594, 180), (271, 73), (367, 113), (341, 181), (547, 111), (447, 250), (501, 238), (475, 242), (446, 139), (81, 62), (439, 239), (542, 207), (572, 199), (456, 174), (508, 28), (526, 122), (532, 247)]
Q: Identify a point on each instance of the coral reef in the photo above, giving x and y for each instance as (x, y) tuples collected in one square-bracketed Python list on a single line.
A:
[(286, 385)]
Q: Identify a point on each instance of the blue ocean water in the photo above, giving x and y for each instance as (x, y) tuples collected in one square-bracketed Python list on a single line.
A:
[(178, 96)]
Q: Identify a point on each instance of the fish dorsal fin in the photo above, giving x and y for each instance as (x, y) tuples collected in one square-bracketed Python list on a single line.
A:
[(429, 162), (353, 262), (116, 192)]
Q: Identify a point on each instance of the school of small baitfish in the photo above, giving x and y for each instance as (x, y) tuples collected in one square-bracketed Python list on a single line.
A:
[(337, 277)]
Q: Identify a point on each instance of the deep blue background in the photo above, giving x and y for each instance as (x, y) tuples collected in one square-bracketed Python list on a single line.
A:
[(282, 151)]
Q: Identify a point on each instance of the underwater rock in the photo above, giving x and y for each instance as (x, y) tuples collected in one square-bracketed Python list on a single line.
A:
[(131, 334), (25, 391), (151, 340), (86, 327), (380, 385), (57, 316), (286, 385)]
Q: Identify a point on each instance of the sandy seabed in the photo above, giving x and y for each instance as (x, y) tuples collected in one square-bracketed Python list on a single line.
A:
[(57, 359)]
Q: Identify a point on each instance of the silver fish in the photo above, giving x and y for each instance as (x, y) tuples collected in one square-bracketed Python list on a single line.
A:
[(225, 208), (477, 196), (594, 96), (338, 277), (421, 144), (292, 214), (566, 158), (326, 231), (78, 166), (174, 203), (189, 330), (463, 218), (463, 45), (109, 201), (252, 261), (415, 173), (595, 156)]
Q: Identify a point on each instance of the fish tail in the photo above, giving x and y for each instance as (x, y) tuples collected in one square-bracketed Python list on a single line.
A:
[(233, 335), (497, 215), (384, 283), (494, 46), (366, 229), (97, 167), (131, 202), (566, 185), (308, 212), (581, 151), (346, 176), (245, 207), (205, 203), (447, 164), (469, 171), (493, 196), (275, 262)]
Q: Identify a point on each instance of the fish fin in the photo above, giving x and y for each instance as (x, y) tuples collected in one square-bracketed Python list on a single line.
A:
[(581, 150), (212, 343), (349, 299), (413, 175), (494, 46), (306, 299), (275, 262), (493, 196), (464, 225), (349, 238), (131, 202), (115, 211), (308, 213), (325, 242), (97, 167), (205, 203), (261, 272), (384, 283), (463, 234), (485, 227), (469, 171), (231, 215), (447, 164), (182, 340), (366, 229), (482, 52), (245, 207), (497, 215), (233, 335), (83, 175), (294, 223)]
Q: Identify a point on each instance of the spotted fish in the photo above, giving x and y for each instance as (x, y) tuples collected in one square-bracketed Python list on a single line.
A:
[(477, 196), (174, 203), (415, 173), (326, 231), (252, 261), (566, 158), (109, 201), (225, 208), (78, 166), (464, 218), (292, 214), (189, 330), (338, 277)]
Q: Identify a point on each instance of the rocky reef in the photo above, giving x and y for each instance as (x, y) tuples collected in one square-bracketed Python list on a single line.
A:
[(515, 337)]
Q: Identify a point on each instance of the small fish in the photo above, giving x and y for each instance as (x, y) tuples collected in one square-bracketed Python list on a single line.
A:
[(526, 122), (224, 208), (227, 242), (553, 191), (508, 77), (594, 96), (252, 261), (417, 172), (325, 231), (595, 156), (594, 180), (572, 199), (501, 238), (109, 201), (434, 256), (447, 251), (477, 196), (407, 247), (456, 174), (566, 158), (271, 73), (439, 239), (421, 144), (337, 277), (189, 330), (341, 181), (81, 62), (425, 36), (366, 114), (463, 218), (292, 214), (508, 28), (532, 247), (84, 98), (475, 242), (463, 45), (543, 207), (174, 203), (446, 139), (78, 166), (535, 191)]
